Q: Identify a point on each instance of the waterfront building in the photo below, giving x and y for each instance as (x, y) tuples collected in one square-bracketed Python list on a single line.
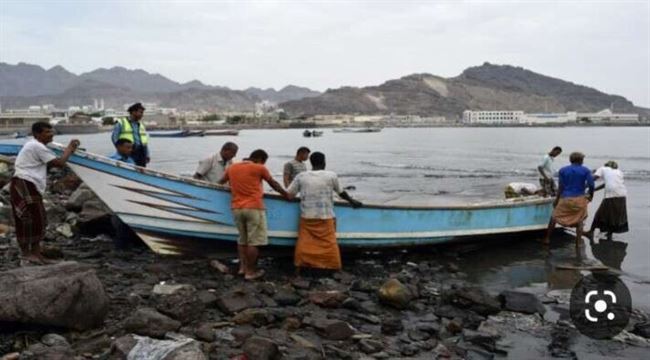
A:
[(492, 117), (608, 115)]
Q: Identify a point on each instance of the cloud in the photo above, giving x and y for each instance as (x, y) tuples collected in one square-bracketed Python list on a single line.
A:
[(330, 44)]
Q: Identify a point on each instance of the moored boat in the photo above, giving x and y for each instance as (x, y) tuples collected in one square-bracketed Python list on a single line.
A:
[(357, 130), (306, 133), (221, 132), (176, 215), (176, 134)]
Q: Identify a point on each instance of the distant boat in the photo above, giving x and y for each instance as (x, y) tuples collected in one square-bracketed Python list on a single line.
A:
[(221, 132), (175, 215), (357, 130), (84, 128), (306, 133), (176, 134)]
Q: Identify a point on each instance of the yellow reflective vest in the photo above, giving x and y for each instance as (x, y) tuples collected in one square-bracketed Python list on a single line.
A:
[(127, 131)]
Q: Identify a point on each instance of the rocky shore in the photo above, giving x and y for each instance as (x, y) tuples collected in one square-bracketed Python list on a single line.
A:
[(99, 303)]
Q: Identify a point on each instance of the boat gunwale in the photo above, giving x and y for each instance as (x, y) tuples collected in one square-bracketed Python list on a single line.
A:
[(205, 184)]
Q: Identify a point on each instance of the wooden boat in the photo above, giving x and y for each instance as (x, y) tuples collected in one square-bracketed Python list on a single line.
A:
[(306, 133), (316, 133), (357, 130), (221, 132), (176, 215)]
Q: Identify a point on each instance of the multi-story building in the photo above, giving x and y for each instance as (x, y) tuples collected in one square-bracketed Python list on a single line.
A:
[(492, 117)]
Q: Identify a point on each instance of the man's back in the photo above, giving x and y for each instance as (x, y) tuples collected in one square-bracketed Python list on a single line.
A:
[(574, 179), (316, 190), (246, 184)]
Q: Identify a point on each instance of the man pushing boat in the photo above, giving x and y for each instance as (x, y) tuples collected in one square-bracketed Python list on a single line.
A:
[(27, 188)]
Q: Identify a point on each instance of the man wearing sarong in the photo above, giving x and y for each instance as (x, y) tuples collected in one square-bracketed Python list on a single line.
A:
[(546, 171), (317, 246), (27, 188), (248, 208), (611, 216), (570, 206)]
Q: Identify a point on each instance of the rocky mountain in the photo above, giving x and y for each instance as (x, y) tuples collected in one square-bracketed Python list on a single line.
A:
[(485, 87), (23, 84), (32, 80), (287, 93)]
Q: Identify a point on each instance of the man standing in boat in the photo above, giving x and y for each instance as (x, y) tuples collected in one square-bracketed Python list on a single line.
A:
[(132, 129), (570, 206), (27, 187), (546, 171), (295, 166), (213, 168), (317, 246), (248, 208)]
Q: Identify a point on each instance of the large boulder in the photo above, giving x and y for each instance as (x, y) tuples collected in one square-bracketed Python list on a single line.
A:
[(67, 294)]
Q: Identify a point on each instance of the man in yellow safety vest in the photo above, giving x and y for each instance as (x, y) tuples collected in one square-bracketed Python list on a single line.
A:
[(130, 128)]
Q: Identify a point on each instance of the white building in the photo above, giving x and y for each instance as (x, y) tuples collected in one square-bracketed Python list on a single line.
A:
[(549, 118), (607, 115), (492, 117)]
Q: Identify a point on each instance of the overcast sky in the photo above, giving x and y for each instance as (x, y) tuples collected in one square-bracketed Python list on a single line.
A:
[(328, 44)]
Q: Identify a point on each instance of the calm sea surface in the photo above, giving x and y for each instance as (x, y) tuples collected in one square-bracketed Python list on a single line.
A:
[(459, 165)]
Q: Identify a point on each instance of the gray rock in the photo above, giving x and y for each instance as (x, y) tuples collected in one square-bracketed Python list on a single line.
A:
[(370, 346), (286, 296), (149, 322), (522, 302), (237, 300), (333, 329), (260, 348), (183, 304), (642, 329), (78, 198), (43, 352), (472, 298), (95, 219), (208, 298), (254, 316), (55, 340), (391, 326), (328, 299), (66, 294)]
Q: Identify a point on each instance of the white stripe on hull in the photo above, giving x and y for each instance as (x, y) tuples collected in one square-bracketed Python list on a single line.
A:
[(110, 189)]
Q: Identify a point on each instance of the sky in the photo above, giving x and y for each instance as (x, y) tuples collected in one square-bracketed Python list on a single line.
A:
[(329, 44)]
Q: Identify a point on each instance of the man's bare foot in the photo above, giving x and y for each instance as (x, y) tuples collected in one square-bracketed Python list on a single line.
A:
[(30, 260), (45, 260), (254, 276)]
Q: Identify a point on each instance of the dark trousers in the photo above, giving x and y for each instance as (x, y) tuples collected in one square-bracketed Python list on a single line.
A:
[(139, 155)]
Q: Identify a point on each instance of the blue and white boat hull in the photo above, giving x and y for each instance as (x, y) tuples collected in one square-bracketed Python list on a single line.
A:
[(173, 214)]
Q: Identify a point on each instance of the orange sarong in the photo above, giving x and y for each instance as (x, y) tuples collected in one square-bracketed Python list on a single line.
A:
[(571, 211), (316, 246)]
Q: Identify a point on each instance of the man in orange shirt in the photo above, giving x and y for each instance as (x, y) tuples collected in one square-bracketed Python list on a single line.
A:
[(248, 208)]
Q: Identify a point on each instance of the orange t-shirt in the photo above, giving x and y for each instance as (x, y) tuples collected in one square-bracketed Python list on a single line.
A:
[(246, 184)]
